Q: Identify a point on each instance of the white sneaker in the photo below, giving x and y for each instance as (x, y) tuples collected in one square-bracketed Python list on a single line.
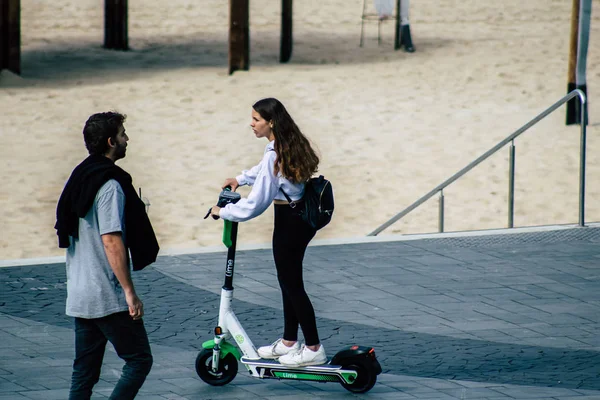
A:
[(277, 349), (304, 357)]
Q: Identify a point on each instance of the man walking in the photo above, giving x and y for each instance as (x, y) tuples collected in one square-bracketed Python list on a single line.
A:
[(99, 220)]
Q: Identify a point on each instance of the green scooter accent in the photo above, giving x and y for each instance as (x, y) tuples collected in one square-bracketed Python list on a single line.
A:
[(226, 348), (227, 234)]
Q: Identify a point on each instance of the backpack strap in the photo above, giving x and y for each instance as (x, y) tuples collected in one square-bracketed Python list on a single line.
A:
[(288, 198)]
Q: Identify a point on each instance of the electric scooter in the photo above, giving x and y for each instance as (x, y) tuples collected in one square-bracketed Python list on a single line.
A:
[(354, 367)]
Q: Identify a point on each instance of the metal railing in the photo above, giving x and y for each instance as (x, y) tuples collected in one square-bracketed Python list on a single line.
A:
[(511, 179)]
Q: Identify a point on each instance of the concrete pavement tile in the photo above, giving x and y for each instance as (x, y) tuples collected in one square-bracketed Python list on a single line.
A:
[(187, 383), (7, 321), (559, 341), (6, 385), (172, 396), (496, 313), (27, 383), (404, 290), (587, 392), (593, 341), (293, 397), (381, 301), (12, 341), (517, 307), (439, 384), (53, 394), (536, 392), (429, 395), (521, 280), (52, 382), (480, 325), (459, 286), (156, 386), (473, 393), (566, 278), (521, 333), (431, 260)]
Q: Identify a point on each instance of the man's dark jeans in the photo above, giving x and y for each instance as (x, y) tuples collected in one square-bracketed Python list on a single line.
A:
[(130, 341)]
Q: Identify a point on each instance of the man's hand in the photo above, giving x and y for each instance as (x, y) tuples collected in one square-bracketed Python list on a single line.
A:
[(136, 307), (231, 182), (116, 253), (215, 212)]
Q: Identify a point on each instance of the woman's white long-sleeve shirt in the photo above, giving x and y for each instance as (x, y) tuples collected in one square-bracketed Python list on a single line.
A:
[(266, 187)]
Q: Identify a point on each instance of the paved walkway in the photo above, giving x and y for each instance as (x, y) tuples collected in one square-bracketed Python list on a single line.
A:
[(513, 316)]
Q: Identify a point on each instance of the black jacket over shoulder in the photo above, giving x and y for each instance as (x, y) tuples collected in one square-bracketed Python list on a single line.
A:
[(78, 196)]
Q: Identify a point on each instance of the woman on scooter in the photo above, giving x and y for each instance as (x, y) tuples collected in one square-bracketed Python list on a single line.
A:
[(288, 162)]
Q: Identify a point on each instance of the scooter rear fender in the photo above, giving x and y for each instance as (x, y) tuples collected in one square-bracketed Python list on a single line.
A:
[(357, 354)]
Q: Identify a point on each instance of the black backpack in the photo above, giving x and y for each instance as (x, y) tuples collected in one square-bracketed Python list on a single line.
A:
[(317, 206)]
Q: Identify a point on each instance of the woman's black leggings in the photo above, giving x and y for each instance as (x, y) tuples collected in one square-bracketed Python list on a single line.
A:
[(290, 239)]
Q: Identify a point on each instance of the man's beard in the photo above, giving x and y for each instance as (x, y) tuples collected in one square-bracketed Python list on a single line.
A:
[(120, 151)]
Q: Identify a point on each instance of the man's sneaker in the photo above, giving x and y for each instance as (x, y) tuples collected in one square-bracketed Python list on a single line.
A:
[(277, 349), (304, 357)]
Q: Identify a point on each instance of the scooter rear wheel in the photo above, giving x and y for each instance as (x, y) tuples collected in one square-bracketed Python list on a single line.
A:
[(365, 379), (228, 367)]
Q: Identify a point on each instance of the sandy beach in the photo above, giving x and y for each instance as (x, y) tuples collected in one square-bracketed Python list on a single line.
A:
[(390, 126)]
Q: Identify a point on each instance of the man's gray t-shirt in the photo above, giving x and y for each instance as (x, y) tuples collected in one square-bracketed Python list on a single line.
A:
[(93, 290)]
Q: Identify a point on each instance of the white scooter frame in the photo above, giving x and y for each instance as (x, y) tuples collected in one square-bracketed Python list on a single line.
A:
[(355, 367)]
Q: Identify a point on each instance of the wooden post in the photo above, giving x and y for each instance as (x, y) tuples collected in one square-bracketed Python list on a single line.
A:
[(575, 112), (239, 35), (397, 39), (572, 116), (10, 35), (115, 25), (286, 31)]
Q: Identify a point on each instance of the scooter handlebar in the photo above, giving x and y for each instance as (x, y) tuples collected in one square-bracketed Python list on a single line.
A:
[(225, 197)]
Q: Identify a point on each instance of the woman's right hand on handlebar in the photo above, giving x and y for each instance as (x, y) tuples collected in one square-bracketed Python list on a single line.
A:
[(231, 182)]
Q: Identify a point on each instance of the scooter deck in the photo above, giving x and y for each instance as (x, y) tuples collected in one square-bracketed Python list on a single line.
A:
[(323, 373), (264, 362)]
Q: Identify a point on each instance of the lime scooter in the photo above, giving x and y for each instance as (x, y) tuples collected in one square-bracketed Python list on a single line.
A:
[(355, 367)]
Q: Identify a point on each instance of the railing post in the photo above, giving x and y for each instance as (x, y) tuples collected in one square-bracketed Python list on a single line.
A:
[(441, 212), (583, 124), (511, 184)]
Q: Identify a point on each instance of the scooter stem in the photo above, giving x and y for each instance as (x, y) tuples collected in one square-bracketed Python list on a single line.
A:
[(228, 285)]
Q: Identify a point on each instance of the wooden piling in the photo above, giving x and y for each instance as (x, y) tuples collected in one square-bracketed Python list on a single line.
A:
[(286, 31), (115, 25), (239, 35), (10, 35), (397, 38)]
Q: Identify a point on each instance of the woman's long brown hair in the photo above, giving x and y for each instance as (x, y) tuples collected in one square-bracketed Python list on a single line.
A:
[(296, 159)]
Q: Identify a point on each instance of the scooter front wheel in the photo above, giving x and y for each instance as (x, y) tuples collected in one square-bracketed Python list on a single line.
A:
[(228, 367), (365, 379)]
